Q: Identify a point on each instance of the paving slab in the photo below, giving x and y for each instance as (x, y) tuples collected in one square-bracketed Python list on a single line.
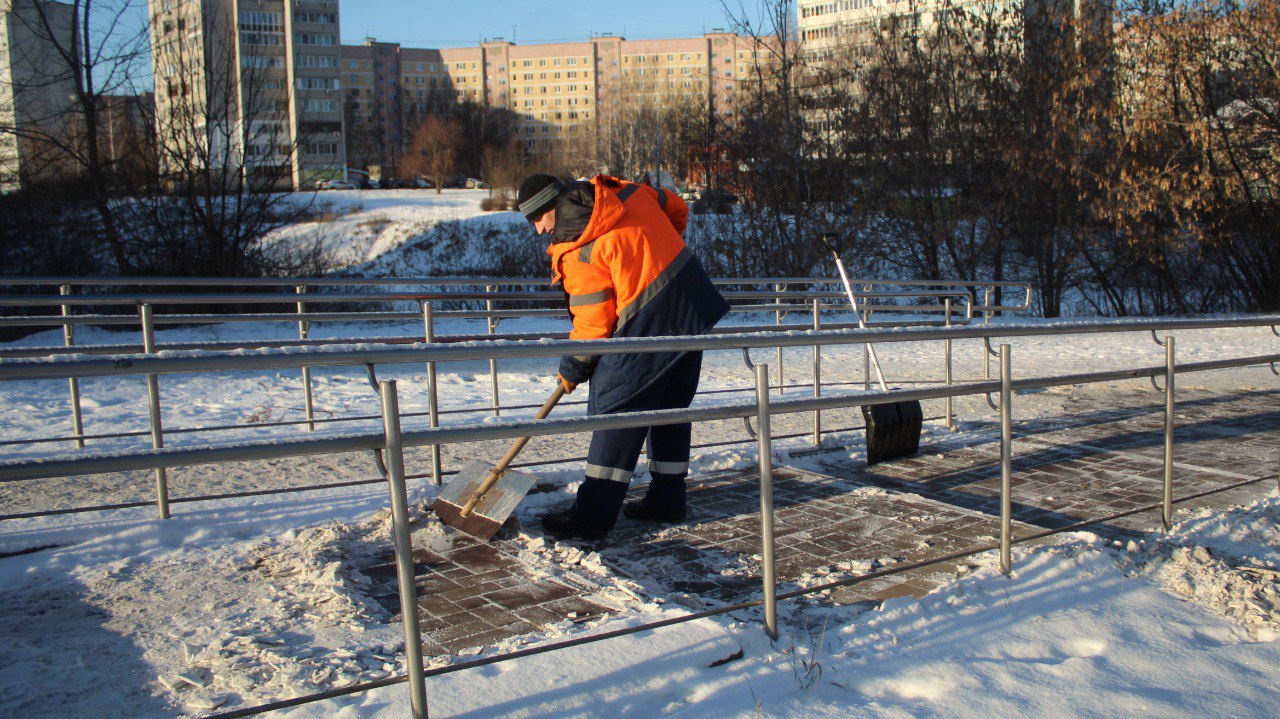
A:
[(844, 519), (476, 593)]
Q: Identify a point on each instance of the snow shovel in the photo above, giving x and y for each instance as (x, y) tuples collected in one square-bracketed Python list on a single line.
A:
[(482, 496), (893, 430)]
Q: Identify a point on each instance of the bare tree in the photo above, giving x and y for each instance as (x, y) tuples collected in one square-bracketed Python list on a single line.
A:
[(773, 146), (73, 58), (225, 151), (434, 152), (504, 166), (1204, 144)]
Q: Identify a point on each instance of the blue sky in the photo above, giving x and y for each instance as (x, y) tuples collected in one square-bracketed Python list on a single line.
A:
[(431, 23)]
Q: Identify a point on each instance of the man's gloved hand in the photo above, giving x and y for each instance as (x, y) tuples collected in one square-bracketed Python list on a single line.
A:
[(569, 387)]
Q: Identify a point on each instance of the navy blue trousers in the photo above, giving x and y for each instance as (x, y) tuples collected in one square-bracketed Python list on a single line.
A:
[(611, 461)]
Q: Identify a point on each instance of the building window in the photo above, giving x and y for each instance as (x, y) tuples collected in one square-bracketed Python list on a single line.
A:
[(261, 62), (311, 106), (322, 148), (260, 21), (318, 18), (261, 38), (317, 38), (317, 61), (318, 83)]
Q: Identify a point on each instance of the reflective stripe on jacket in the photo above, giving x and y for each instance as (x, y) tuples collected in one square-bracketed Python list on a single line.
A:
[(628, 274)]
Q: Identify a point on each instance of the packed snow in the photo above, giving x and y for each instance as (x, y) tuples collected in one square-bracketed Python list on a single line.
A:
[(239, 601)]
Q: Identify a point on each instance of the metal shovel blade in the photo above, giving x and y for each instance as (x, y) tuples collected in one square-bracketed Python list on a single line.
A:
[(893, 430), (494, 507)]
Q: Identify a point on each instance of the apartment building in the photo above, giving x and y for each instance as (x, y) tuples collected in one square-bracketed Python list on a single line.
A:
[(830, 26), (249, 86), (558, 92), (37, 92), (389, 90)]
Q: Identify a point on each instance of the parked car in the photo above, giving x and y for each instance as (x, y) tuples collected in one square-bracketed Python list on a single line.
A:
[(368, 184), (422, 184), (335, 185), (714, 201), (690, 194), (469, 183), (393, 183)]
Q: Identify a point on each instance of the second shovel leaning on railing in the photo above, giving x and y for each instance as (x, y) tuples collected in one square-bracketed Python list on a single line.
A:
[(893, 430)]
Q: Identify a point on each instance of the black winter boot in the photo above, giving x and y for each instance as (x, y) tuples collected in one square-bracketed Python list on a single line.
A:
[(593, 514), (564, 524), (641, 512), (664, 502)]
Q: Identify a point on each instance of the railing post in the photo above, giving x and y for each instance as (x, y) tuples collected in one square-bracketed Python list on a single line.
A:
[(986, 320), (69, 338), (780, 287), (764, 437), (1170, 369), (950, 409), (304, 328), (493, 363), (1006, 460), (866, 348), (404, 548), (153, 400), (817, 374), (433, 403)]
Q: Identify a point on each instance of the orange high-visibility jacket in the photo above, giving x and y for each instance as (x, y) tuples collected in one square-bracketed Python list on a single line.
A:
[(618, 253)]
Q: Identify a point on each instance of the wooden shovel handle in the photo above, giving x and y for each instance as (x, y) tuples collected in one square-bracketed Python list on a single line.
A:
[(500, 468)]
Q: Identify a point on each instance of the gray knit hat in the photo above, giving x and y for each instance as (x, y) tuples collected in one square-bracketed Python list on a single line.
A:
[(537, 195)]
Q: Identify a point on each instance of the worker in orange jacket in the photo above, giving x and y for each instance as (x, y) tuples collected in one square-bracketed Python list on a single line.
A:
[(616, 250)]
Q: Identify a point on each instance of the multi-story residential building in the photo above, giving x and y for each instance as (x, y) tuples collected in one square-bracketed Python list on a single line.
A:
[(37, 92), (250, 86), (390, 89), (827, 26), (265, 86), (555, 91)]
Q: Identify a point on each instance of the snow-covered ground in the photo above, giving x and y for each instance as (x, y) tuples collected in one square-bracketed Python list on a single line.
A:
[(357, 226), (239, 601)]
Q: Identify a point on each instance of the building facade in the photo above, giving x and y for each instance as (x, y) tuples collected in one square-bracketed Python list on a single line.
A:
[(558, 93), (827, 26), (249, 87), (266, 87), (37, 93)]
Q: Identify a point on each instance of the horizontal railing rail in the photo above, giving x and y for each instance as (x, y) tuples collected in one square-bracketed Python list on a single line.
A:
[(117, 281), (169, 457), (134, 348), (943, 298), (354, 354), (131, 318), (282, 298)]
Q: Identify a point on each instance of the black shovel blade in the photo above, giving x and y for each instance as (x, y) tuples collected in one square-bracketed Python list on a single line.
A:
[(893, 430)]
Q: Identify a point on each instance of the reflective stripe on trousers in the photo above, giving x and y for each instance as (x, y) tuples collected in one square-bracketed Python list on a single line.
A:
[(614, 452)]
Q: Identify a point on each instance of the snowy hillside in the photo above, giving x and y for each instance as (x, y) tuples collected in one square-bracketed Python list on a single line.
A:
[(357, 227)]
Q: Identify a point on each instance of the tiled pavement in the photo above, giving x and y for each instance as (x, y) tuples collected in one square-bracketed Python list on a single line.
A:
[(477, 593), (1101, 460)]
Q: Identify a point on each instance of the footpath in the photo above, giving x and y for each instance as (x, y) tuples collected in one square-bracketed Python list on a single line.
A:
[(839, 519)]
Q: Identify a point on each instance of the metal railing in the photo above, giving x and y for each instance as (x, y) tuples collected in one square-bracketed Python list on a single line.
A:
[(390, 443), (950, 297)]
